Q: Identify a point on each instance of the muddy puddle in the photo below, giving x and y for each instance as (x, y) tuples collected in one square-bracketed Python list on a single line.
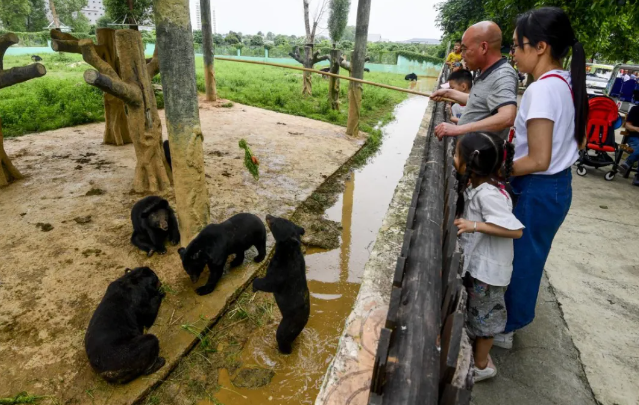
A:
[(245, 344)]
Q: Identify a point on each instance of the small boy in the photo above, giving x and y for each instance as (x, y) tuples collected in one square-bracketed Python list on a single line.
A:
[(455, 55), (461, 80)]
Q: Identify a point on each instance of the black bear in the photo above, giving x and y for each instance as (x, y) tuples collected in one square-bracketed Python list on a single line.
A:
[(167, 153), (36, 58), (153, 221), (215, 243), (115, 342), (286, 279), (411, 76)]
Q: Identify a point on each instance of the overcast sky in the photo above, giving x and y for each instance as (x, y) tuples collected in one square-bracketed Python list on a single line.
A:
[(393, 19)]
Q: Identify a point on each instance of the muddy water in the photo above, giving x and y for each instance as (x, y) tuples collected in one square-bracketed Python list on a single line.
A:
[(333, 276)]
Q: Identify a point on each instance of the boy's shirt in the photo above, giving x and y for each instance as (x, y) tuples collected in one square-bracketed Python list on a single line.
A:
[(454, 57), (457, 110)]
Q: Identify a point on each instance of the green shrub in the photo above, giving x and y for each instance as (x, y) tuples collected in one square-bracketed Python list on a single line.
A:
[(417, 57)]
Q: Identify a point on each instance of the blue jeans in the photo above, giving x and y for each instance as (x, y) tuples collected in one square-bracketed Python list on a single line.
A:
[(633, 142), (542, 205)]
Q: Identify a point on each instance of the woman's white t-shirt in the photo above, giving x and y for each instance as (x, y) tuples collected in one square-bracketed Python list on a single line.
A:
[(549, 98)]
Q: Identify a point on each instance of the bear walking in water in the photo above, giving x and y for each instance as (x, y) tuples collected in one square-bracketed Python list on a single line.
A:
[(286, 279), (115, 342), (215, 243), (153, 222)]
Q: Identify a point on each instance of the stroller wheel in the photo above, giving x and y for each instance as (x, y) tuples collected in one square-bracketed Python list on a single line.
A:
[(610, 176), (581, 170)]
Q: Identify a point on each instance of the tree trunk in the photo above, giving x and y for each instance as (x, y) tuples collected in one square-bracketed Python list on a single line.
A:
[(116, 128), (307, 86), (56, 20), (333, 82), (207, 46), (177, 66), (8, 172), (357, 67)]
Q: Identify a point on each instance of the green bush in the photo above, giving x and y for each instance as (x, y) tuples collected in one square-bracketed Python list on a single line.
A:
[(40, 38), (49, 103), (417, 57)]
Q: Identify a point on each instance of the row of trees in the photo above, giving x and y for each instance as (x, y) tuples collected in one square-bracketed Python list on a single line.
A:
[(609, 29), (31, 16)]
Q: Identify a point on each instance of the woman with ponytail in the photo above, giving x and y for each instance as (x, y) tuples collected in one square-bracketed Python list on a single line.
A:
[(550, 126), (487, 227)]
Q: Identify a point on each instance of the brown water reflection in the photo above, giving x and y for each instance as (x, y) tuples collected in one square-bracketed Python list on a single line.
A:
[(333, 276)]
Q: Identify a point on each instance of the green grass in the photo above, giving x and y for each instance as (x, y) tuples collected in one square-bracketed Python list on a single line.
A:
[(62, 99)]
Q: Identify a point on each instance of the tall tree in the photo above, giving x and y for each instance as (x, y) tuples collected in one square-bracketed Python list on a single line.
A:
[(54, 14), (134, 12), (14, 13), (207, 45), (337, 21), (69, 13), (357, 71), (310, 58), (177, 67), (270, 36), (37, 19)]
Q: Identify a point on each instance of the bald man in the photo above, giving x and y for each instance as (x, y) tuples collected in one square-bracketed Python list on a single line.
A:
[(491, 105)]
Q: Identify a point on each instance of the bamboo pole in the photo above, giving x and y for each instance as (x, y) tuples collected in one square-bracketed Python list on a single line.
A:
[(385, 86)]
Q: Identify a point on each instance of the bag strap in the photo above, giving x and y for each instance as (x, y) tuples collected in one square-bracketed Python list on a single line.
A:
[(562, 78)]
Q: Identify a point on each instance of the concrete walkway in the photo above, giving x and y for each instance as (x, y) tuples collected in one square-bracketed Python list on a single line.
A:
[(583, 346)]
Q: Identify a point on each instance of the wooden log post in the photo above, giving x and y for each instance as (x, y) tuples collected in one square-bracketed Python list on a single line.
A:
[(177, 66), (133, 87), (207, 48), (333, 82), (8, 172), (116, 129), (357, 70)]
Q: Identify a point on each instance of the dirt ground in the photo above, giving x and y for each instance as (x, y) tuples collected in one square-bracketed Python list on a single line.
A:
[(66, 229)]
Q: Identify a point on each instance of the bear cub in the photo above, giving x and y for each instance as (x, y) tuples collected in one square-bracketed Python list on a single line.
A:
[(286, 279), (115, 342), (215, 243), (153, 222)]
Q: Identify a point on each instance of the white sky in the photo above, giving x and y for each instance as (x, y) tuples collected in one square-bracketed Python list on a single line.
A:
[(393, 19)]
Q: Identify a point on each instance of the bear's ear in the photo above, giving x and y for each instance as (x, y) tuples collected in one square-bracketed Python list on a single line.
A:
[(181, 252), (301, 230)]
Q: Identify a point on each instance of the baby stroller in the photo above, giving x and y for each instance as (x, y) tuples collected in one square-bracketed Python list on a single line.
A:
[(603, 119)]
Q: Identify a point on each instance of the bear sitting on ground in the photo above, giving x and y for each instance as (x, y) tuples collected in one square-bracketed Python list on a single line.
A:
[(115, 342), (411, 76), (216, 242), (36, 58), (286, 279), (153, 221)]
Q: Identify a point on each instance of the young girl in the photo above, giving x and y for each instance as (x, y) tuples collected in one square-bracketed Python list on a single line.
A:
[(487, 227), (550, 126)]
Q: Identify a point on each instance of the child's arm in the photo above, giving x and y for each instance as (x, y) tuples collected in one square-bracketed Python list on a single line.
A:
[(466, 226), (454, 119)]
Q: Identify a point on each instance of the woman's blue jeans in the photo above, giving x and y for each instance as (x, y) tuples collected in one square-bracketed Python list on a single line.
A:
[(542, 205)]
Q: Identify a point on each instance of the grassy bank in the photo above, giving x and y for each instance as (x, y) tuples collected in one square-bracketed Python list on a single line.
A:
[(62, 99)]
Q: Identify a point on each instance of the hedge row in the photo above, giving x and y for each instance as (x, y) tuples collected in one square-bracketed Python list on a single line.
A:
[(40, 38), (416, 57)]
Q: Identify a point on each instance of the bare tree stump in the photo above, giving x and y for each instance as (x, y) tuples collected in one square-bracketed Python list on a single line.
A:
[(207, 45), (133, 87), (333, 82), (8, 172), (116, 129), (308, 61), (357, 70)]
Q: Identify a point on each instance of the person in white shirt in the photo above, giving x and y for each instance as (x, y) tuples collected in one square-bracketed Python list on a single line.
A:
[(549, 129), (487, 227)]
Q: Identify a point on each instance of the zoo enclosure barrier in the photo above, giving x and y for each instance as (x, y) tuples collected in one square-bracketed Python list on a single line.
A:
[(424, 354)]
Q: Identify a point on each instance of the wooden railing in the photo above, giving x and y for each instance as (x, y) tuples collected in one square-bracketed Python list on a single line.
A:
[(424, 355)]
